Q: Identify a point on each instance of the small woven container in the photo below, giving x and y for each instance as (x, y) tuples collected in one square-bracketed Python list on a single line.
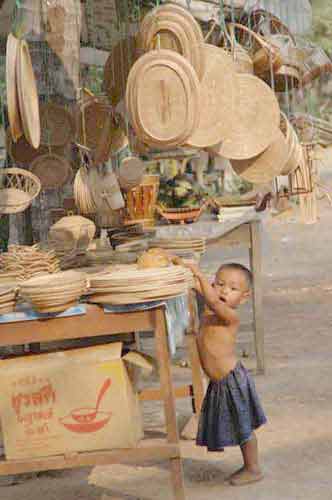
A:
[(141, 202), (181, 215), (18, 188)]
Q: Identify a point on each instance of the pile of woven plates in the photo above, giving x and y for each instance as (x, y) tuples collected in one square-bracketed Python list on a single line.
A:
[(184, 92), (23, 262), (130, 285), (180, 246), (8, 295), (54, 293)]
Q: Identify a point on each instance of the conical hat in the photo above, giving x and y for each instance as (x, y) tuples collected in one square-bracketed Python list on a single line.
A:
[(267, 165), (255, 124)]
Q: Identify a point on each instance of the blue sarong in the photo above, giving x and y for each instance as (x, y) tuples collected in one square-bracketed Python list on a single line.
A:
[(231, 411)]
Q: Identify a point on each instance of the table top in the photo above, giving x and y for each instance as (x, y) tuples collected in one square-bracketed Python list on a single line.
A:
[(207, 228)]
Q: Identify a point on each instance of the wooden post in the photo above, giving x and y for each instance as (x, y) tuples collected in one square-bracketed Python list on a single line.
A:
[(256, 268), (169, 401)]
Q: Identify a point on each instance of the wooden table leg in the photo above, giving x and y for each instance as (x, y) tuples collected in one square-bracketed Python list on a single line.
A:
[(167, 390), (196, 372), (256, 268)]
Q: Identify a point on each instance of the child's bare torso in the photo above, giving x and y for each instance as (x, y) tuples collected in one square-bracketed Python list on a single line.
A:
[(216, 344)]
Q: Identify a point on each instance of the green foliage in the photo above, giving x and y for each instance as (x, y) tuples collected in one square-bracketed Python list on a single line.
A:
[(322, 24), (4, 233)]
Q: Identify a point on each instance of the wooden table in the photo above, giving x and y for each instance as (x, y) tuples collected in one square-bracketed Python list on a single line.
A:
[(97, 323)]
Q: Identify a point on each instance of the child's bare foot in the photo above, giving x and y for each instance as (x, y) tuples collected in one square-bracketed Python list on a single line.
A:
[(244, 476)]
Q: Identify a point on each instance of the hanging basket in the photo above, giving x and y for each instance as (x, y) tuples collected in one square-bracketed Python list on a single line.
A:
[(18, 189)]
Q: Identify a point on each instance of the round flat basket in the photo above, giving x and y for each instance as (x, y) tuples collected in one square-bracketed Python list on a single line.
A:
[(163, 98), (117, 67), (218, 98), (23, 154), (52, 170), (172, 27), (28, 96), (94, 129), (266, 166), (57, 125), (11, 87), (255, 124), (18, 188), (130, 172)]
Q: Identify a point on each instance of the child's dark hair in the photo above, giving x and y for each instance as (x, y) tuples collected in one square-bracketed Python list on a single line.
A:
[(238, 267)]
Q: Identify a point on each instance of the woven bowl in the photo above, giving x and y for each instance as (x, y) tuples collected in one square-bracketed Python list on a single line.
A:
[(18, 189)]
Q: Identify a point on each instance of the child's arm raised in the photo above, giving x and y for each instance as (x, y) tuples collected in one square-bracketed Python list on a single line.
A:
[(225, 313)]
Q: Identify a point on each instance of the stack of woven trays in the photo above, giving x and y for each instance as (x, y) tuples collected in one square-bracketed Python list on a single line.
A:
[(130, 285), (54, 293), (7, 298), (180, 246), (23, 262)]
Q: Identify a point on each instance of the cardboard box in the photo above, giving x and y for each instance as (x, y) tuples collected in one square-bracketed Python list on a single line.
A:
[(48, 402)]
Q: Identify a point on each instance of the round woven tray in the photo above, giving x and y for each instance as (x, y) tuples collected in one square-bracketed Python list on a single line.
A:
[(117, 67), (163, 98), (130, 172), (218, 98), (266, 166), (18, 188), (28, 96), (256, 121), (22, 153), (172, 27), (52, 170), (57, 125), (11, 87)]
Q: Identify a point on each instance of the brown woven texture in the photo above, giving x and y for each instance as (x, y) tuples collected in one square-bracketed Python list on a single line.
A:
[(117, 67), (23, 154), (94, 129), (52, 170), (57, 125)]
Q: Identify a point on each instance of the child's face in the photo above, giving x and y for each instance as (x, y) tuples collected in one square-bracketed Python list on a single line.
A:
[(232, 287)]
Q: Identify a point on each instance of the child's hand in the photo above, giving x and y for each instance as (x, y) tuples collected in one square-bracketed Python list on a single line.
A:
[(193, 268)]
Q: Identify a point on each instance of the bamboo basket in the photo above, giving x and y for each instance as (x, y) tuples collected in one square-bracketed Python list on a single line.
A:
[(141, 202), (18, 188), (181, 215)]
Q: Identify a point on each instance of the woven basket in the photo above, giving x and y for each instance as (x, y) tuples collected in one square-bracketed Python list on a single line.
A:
[(18, 189), (52, 170), (266, 55), (141, 202), (181, 215)]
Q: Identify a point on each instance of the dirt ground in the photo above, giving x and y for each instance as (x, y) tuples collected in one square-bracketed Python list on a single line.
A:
[(296, 445)]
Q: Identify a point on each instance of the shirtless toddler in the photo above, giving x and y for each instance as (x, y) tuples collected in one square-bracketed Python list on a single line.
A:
[(231, 410)]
